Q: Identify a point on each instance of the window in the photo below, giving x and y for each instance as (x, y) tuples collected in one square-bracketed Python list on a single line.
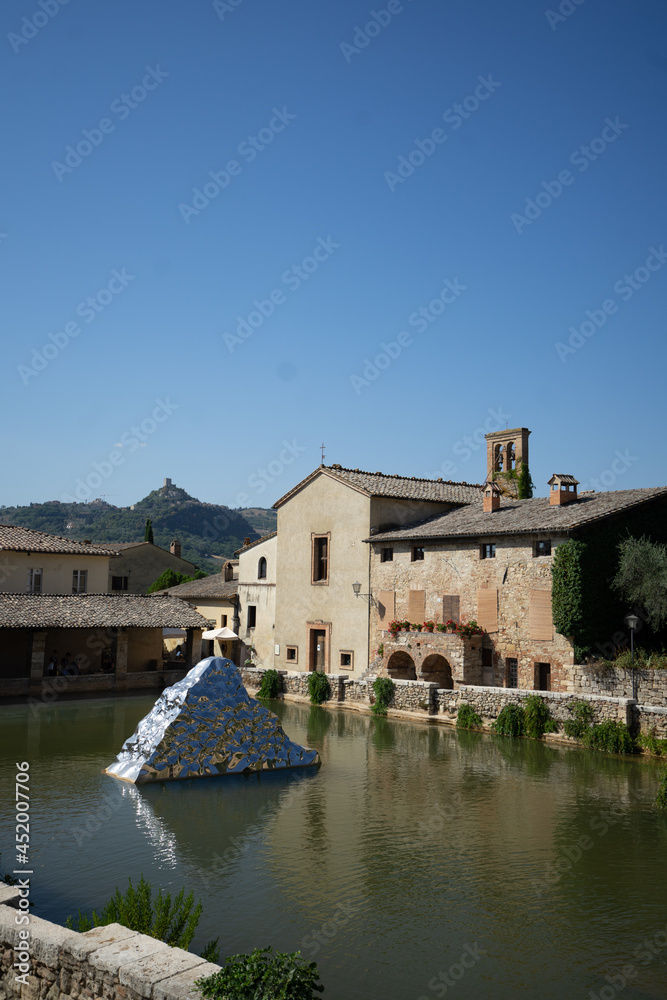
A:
[(320, 559), (487, 551), (292, 654), (79, 581), (543, 548), (252, 615), (223, 621), (34, 581), (261, 569), (417, 553), (346, 659), (119, 583), (387, 555), (512, 672)]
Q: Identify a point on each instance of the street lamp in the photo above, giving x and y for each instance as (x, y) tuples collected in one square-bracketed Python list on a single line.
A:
[(356, 587), (632, 621)]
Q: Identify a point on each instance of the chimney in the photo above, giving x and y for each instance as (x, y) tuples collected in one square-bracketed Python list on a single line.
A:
[(562, 489), (246, 541), (175, 548), (491, 494)]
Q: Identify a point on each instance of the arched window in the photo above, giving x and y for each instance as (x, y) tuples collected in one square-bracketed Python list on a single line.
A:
[(261, 569), (499, 458), (511, 455)]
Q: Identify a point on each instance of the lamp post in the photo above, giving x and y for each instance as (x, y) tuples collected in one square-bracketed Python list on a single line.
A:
[(356, 587), (632, 621)]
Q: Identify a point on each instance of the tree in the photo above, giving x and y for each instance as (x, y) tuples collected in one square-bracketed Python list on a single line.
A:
[(642, 577), (526, 485), (170, 578), (148, 534)]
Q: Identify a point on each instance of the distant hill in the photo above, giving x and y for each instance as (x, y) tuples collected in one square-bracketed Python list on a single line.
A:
[(205, 530), (263, 521)]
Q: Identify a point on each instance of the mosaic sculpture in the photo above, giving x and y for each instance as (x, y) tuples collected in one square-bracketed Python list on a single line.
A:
[(207, 724)]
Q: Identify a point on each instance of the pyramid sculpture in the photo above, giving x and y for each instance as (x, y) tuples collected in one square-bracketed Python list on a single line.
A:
[(207, 724)]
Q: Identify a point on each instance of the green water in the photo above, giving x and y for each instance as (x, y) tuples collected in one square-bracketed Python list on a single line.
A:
[(430, 862)]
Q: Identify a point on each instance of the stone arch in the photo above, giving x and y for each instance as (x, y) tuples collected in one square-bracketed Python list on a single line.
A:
[(401, 666), (498, 458), (511, 455), (436, 668)]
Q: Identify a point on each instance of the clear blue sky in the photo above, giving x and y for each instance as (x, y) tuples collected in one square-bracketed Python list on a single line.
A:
[(304, 116)]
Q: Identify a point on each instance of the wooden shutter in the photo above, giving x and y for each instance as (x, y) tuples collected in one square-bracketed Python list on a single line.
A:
[(416, 605), (386, 605), (451, 607), (487, 609), (540, 622)]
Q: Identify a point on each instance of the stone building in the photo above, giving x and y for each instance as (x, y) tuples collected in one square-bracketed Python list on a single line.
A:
[(320, 623), (491, 562), (134, 566)]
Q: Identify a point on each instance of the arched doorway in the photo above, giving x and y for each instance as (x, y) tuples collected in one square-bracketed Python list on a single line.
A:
[(436, 668), (401, 666)]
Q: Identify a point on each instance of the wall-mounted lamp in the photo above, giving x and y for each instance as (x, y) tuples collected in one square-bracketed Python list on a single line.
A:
[(356, 587)]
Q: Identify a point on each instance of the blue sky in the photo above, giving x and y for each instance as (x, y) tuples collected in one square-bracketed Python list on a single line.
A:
[(258, 198)]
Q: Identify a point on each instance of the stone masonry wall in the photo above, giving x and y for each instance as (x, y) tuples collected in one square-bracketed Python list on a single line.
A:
[(651, 685), (488, 703), (110, 963)]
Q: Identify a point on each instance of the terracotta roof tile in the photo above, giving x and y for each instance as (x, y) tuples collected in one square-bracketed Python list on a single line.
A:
[(377, 484), (14, 538), (209, 586), (96, 611)]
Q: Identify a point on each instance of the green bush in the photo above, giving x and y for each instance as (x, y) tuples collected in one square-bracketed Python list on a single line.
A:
[(270, 685), (537, 718), (318, 688), (175, 923), (574, 728), (610, 736), (383, 688), (467, 718), (661, 797), (650, 742), (263, 975), (578, 726), (510, 721)]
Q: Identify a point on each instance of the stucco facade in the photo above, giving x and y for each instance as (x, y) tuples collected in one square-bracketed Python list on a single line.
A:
[(139, 565), (57, 572), (257, 590)]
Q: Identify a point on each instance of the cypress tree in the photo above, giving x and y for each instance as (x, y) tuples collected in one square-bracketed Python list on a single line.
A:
[(148, 534), (525, 487)]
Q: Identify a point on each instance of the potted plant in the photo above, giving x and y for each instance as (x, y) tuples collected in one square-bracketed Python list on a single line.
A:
[(429, 626)]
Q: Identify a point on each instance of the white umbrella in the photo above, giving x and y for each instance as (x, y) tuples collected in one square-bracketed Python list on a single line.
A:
[(219, 633)]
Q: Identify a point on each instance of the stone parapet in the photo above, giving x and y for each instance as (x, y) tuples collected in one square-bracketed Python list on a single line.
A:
[(110, 962)]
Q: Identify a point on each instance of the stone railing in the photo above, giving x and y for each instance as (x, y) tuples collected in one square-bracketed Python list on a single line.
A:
[(110, 962)]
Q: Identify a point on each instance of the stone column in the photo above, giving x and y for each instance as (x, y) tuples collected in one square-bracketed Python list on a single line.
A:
[(196, 640), (122, 641), (37, 659)]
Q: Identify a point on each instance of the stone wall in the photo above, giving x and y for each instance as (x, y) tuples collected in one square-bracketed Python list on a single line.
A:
[(441, 657), (652, 719), (110, 962), (488, 703), (651, 685)]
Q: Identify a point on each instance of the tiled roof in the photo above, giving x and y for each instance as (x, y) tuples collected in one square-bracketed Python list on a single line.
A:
[(377, 484), (96, 611), (210, 586), (517, 517), (258, 541), (13, 538), (120, 546)]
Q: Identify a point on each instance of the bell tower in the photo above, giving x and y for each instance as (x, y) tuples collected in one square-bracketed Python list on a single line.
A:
[(505, 451)]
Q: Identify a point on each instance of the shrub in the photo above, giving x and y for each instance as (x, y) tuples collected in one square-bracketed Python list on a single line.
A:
[(650, 742), (610, 736), (537, 718), (270, 685), (661, 797), (175, 923), (318, 688), (467, 718), (510, 721), (383, 688), (263, 975)]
